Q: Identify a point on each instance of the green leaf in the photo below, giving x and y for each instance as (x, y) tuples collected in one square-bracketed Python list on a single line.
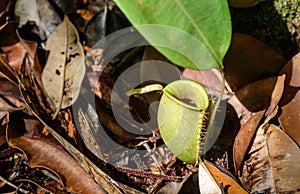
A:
[(191, 33), (182, 117)]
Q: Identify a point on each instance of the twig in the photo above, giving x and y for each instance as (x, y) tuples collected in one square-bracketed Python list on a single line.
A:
[(142, 173), (12, 185), (150, 152)]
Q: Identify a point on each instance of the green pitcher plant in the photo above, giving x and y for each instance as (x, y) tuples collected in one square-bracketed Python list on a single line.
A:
[(182, 116)]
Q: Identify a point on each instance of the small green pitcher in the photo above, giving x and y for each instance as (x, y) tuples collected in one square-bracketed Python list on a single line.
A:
[(182, 117)]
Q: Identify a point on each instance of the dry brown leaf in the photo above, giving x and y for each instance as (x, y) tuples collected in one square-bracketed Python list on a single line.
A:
[(65, 68), (41, 13), (43, 153), (276, 95), (257, 158), (37, 103), (257, 96), (285, 161), (210, 79), (212, 181), (102, 85), (122, 136), (249, 60), (87, 15), (89, 126), (9, 98), (157, 67), (8, 103), (273, 164), (290, 103), (8, 88), (171, 188), (244, 138), (7, 72)]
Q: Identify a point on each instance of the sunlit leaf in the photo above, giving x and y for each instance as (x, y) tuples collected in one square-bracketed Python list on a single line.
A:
[(194, 34), (213, 180), (285, 161)]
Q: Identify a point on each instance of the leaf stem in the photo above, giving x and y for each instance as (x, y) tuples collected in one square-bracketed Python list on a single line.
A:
[(145, 89)]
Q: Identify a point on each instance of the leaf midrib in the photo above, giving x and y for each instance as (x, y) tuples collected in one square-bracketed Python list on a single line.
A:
[(199, 31)]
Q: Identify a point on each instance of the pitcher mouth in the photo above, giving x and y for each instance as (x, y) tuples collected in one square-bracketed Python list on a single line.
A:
[(199, 89)]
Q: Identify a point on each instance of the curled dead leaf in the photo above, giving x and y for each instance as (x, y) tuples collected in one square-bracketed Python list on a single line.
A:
[(290, 102), (213, 180), (244, 138), (273, 163), (258, 96), (43, 153)]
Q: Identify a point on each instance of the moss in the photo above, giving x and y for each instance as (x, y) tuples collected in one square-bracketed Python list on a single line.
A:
[(272, 22)]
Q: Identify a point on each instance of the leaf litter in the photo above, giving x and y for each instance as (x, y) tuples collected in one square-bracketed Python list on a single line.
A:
[(263, 155)]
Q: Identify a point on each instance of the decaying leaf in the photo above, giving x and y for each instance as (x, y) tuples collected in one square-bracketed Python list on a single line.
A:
[(257, 96), (244, 138), (6, 72), (274, 164), (27, 83), (285, 161), (249, 60), (87, 15), (9, 98), (42, 153), (9, 104), (213, 181), (157, 67), (290, 103), (174, 187), (102, 24), (41, 13), (102, 85), (89, 126), (211, 79), (65, 68)]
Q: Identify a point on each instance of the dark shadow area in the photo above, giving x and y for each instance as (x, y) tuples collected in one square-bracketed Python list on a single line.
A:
[(267, 25), (225, 141)]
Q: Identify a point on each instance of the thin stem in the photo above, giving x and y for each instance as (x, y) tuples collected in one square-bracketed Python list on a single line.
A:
[(12, 185), (145, 89)]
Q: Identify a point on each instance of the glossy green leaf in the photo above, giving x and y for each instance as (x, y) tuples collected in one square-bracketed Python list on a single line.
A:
[(191, 33), (181, 118)]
